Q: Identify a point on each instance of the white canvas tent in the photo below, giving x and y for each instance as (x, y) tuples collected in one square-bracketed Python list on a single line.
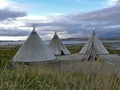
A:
[(57, 47), (33, 50), (93, 48)]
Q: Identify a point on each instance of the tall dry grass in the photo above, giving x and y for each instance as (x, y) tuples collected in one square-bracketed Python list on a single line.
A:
[(72, 75), (43, 78)]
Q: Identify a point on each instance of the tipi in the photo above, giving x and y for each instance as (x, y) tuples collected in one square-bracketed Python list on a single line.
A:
[(33, 50), (93, 48), (57, 47)]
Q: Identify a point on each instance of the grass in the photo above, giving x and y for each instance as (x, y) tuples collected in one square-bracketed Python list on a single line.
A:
[(34, 78), (112, 51), (6, 54), (88, 76), (75, 48)]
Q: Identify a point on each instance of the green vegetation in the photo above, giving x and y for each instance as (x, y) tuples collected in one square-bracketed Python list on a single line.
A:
[(112, 51), (6, 54), (75, 48), (47, 79), (32, 77)]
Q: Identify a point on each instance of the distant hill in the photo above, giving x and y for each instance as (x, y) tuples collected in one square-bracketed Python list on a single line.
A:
[(66, 39), (84, 39), (110, 38), (75, 39)]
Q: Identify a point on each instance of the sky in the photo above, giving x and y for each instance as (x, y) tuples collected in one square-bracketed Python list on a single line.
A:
[(70, 18)]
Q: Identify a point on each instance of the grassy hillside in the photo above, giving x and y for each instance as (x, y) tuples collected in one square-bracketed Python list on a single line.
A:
[(77, 48), (31, 78), (90, 77), (7, 53)]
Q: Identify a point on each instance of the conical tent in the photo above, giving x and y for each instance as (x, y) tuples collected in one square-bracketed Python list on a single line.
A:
[(33, 50), (93, 47), (57, 47)]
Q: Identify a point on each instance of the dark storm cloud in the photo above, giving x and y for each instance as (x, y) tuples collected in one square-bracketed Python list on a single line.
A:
[(86, 23), (7, 13), (14, 32), (106, 20), (118, 2), (108, 14)]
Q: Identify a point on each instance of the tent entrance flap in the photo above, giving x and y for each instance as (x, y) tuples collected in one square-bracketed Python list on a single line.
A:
[(62, 53)]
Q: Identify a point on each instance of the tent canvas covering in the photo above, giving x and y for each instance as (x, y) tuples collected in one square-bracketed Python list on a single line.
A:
[(57, 47), (33, 50), (93, 47)]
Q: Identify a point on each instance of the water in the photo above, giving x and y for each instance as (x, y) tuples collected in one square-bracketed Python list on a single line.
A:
[(14, 43), (9, 43), (117, 47), (69, 42)]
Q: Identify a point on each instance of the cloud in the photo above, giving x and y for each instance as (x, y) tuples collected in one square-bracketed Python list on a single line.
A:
[(113, 2), (10, 10), (107, 20), (75, 25), (81, 25), (106, 14), (71, 25), (7, 13), (13, 32)]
